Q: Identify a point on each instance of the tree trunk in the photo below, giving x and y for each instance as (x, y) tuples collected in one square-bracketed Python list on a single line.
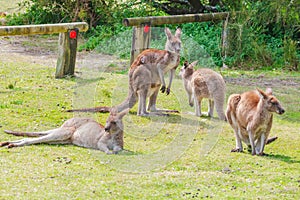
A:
[(197, 6)]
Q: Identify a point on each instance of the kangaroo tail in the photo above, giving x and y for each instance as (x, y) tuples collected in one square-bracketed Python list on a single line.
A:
[(129, 102), (101, 109), (28, 134)]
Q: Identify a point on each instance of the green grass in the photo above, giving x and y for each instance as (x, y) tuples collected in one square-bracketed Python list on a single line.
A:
[(175, 157)]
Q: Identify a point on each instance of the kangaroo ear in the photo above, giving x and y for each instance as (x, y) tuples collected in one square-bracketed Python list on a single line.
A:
[(186, 64), (113, 111), (178, 33), (123, 113), (262, 94), (269, 91), (168, 33), (194, 63)]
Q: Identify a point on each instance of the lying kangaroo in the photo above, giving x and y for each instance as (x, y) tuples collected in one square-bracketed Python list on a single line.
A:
[(204, 83), (84, 132), (146, 75), (250, 115)]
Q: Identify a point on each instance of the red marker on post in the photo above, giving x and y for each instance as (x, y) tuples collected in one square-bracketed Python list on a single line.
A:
[(146, 28), (73, 34)]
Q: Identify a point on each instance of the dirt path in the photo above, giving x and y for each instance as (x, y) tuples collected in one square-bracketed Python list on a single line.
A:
[(43, 50)]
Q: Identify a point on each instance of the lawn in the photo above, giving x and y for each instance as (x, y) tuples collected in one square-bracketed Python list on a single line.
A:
[(175, 157)]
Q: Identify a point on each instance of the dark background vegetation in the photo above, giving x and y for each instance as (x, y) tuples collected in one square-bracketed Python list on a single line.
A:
[(263, 34)]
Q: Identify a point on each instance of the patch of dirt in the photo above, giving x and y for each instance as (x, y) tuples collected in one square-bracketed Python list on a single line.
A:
[(44, 50), (264, 81)]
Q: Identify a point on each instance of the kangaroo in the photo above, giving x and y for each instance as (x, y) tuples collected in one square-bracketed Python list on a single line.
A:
[(164, 60), (146, 76), (204, 83), (250, 114), (84, 132)]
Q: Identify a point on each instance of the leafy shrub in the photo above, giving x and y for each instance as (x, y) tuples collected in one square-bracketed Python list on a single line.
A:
[(262, 34)]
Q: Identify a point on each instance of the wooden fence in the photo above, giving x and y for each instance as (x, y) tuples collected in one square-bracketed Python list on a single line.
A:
[(68, 36), (142, 31)]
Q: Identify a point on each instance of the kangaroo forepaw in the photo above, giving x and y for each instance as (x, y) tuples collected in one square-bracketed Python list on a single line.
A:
[(163, 89), (168, 91)]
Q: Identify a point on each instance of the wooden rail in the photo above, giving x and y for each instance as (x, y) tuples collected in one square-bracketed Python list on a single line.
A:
[(142, 32), (68, 35), (175, 19), (42, 29)]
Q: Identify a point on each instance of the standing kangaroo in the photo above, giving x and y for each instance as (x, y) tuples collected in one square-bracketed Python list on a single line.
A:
[(204, 83), (146, 76), (250, 115), (84, 132)]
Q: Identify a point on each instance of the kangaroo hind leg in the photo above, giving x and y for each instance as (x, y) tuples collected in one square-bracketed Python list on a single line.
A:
[(142, 94), (29, 134), (57, 136), (210, 107)]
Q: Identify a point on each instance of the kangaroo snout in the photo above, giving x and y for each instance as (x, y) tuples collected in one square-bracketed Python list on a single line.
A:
[(280, 111), (107, 128)]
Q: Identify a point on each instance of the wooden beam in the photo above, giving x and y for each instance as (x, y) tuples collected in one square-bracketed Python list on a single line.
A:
[(42, 29), (175, 19)]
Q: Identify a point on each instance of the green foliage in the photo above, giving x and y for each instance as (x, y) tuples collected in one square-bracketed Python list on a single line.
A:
[(203, 41), (290, 54), (258, 33), (99, 37), (261, 34)]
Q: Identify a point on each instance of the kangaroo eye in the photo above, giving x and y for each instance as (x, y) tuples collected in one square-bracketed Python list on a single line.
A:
[(274, 103)]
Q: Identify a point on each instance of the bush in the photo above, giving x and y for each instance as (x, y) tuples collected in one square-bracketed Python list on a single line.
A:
[(262, 34)]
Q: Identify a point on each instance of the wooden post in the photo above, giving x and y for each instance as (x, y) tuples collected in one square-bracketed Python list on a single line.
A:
[(67, 49), (140, 40), (67, 41), (224, 37)]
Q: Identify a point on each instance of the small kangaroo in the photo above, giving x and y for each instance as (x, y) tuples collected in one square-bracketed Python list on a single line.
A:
[(146, 75), (250, 114), (84, 132), (204, 83)]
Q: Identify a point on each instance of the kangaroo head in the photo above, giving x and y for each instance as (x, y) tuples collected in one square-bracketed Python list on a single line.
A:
[(114, 122), (271, 103), (187, 70), (173, 43)]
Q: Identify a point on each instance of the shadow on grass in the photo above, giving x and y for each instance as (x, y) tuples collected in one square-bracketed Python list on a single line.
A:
[(181, 119), (283, 158), (84, 81)]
